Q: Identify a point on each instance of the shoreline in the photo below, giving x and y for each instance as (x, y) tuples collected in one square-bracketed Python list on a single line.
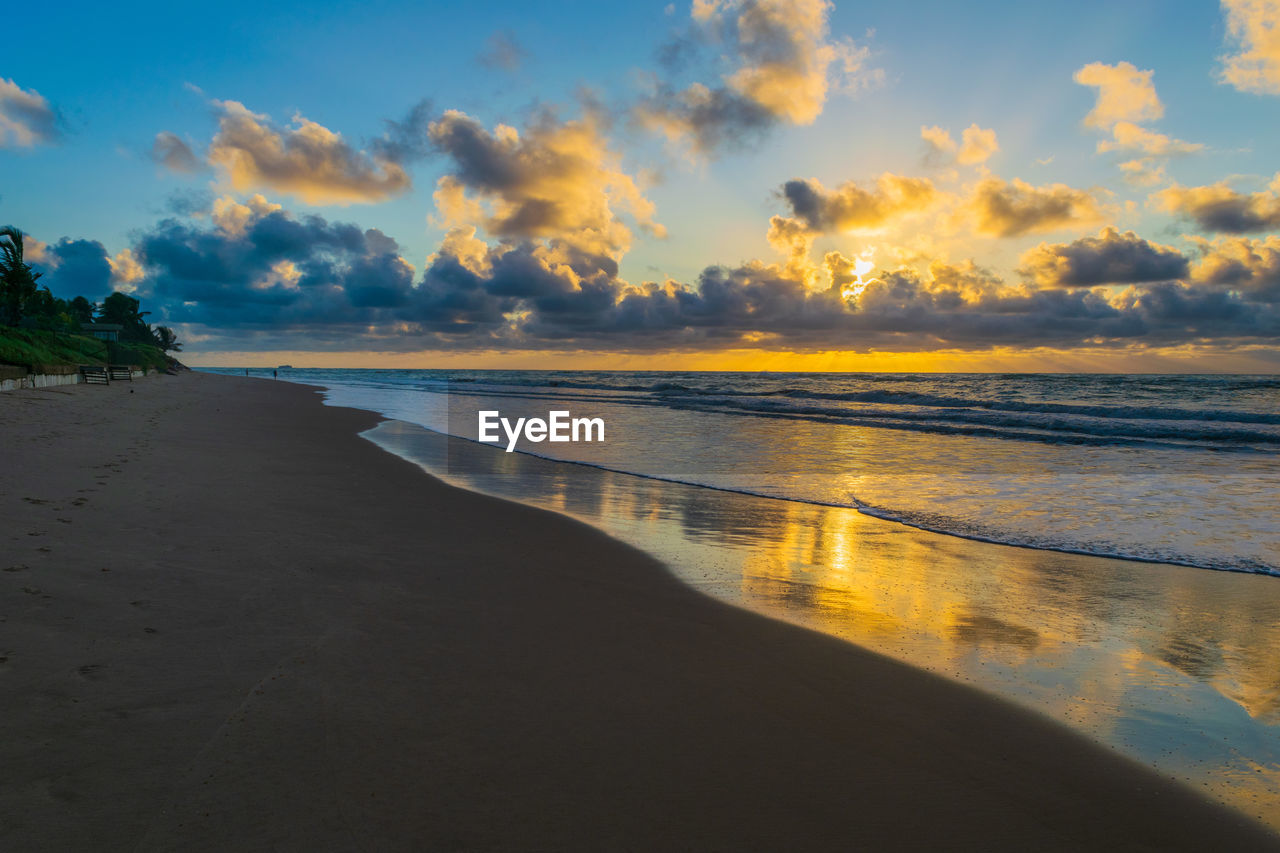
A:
[(256, 628)]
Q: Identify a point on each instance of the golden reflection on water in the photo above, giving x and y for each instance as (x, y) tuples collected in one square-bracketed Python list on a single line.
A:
[(1178, 667)]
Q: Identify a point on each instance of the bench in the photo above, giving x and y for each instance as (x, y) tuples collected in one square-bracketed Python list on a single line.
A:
[(120, 372), (93, 375)]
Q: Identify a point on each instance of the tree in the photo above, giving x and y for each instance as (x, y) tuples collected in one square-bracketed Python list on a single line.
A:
[(82, 310), (122, 309), (17, 282), (167, 340)]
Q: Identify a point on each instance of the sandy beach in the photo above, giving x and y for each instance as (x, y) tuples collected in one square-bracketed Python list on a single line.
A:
[(230, 623)]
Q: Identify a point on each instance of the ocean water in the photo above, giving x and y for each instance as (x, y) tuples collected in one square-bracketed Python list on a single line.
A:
[(1181, 469)]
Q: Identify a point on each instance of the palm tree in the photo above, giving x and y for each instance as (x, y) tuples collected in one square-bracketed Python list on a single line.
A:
[(167, 340), (17, 282)]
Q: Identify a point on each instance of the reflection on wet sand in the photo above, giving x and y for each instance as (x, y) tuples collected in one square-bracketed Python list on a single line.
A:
[(1178, 667)]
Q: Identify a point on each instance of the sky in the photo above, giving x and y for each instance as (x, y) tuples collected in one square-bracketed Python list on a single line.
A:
[(732, 184)]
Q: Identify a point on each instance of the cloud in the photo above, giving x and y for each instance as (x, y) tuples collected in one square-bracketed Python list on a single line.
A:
[(783, 65), (977, 145), (1129, 136), (1010, 209), (558, 180), (1155, 149), (170, 151), (406, 139), (305, 160), (1111, 257), (279, 280), (941, 146), (502, 52), (233, 217), (1124, 94), (1219, 208), (1253, 28), (258, 266), (84, 268), (1250, 267), (1144, 171), (850, 207), (126, 272), (26, 119)]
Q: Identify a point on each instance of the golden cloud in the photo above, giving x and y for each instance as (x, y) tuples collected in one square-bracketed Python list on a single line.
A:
[(1010, 209), (126, 271), (1124, 94), (1254, 28), (233, 217), (305, 160), (977, 145), (785, 65), (557, 180), (1239, 263), (850, 207), (1129, 136)]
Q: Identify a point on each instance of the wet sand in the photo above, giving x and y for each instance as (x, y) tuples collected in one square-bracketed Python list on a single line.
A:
[(231, 623)]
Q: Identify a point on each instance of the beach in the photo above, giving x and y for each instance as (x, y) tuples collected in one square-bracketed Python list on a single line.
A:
[(232, 623)]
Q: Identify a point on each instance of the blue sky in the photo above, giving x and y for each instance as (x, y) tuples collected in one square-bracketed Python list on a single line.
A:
[(113, 77)]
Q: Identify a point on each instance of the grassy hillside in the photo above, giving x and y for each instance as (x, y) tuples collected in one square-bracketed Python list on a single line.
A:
[(30, 348)]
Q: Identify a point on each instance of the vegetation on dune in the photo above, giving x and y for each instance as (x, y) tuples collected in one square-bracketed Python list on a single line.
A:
[(38, 328), (30, 348)]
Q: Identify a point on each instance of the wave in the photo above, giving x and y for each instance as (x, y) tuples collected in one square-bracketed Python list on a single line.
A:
[(1036, 426), (1005, 424), (913, 398)]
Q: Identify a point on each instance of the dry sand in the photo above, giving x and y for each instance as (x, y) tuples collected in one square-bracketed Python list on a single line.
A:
[(229, 623)]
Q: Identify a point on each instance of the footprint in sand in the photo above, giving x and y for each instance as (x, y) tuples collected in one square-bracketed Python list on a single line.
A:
[(32, 590), (21, 567), (90, 671), (35, 500)]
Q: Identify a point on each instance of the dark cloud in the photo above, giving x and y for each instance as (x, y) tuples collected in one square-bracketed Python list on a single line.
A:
[(782, 66), (502, 52), (712, 119), (170, 151), (76, 268), (850, 206), (272, 270), (1251, 267), (556, 180), (1221, 209), (188, 202), (406, 139), (1110, 258), (307, 283)]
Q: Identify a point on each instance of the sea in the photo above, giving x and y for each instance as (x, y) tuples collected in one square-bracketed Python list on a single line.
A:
[(1102, 549), (1176, 469)]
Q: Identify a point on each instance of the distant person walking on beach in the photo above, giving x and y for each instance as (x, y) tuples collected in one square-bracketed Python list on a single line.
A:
[(275, 374)]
